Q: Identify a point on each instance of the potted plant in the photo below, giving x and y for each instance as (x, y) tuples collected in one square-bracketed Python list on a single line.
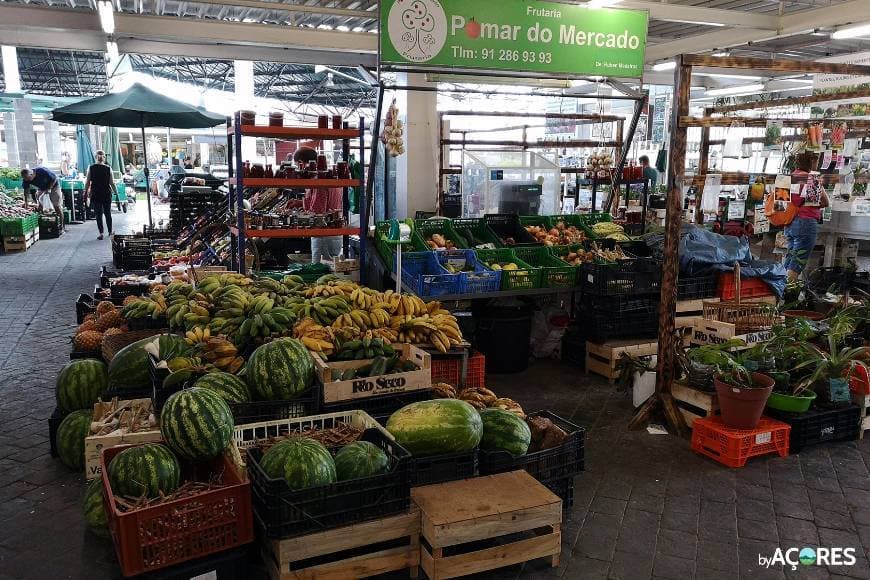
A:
[(831, 370), (700, 363), (742, 394), (787, 354)]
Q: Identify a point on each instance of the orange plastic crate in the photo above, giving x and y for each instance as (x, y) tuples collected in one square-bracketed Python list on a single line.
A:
[(732, 447), (448, 370), (749, 287)]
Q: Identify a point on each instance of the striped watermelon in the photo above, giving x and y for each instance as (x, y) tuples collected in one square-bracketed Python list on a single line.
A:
[(280, 370), (436, 427), (196, 423), (144, 470), (228, 387), (360, 459), (80, 384), (299, 461), (95, 509), (71, 435), (504, 431), (130, 369)]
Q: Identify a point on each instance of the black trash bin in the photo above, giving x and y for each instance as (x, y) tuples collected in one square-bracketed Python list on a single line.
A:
[(502, 335)]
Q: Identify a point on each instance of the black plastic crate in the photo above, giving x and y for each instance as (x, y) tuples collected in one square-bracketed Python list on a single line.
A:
[(83, 354), (284, 513), (548, 465), (53, 423), (617, 306), (154, 233), (230, 565), (607, 319), (574, 349), (305, 404), (836, 279), (84, 305), (564, 488), (121, 291), (507, 225), (379, 408), (147, 323), (640, 276), (695, 287), (820, 425), (49, 229), (441, 468)]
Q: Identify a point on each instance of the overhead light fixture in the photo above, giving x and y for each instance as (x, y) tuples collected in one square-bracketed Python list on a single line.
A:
[(802, 81), (112, 51), (726, 76), (721, 54), (107, 16), (733, 91), (602, 3), (667, 65), (319, 68), (851, 32)]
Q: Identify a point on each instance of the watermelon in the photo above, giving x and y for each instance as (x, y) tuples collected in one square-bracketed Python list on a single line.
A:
[(280, 370), (299, 461), (436, 427), (228, 387), (360, 459), (80, 384), (196, 424), (504, 431), (71, 435), (130, 369), (144, 470), (95, 509)]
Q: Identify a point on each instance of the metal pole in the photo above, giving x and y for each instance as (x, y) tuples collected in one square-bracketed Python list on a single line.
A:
[(240, 193), (362, 204), (626, 146), (147, 173)]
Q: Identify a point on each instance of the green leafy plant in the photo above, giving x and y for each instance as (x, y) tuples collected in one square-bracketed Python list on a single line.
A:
[(629, 364), (720, 361), (837, 363)]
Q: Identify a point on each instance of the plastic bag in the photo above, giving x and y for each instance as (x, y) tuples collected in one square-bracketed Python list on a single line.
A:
[(548, 327)]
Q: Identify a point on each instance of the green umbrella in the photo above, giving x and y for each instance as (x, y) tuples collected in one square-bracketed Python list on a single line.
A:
[(84, 150), (141, 107), (112, 147)]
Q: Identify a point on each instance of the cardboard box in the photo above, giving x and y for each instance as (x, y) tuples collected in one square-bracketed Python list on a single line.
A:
[(715, 332), (336, 391), (96, 443)]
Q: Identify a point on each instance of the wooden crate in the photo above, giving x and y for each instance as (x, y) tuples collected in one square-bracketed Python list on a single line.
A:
[(863, 401), (688, 312), (96, 443), (694, 404), (338, 391), (285, 559), (20, 243), (458, 513), (601, 358)]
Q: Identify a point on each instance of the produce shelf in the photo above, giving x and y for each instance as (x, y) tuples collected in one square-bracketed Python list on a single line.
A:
[(294, 132), (295, 183), (297, 232)]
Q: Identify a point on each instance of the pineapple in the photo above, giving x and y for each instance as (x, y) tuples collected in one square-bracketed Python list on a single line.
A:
[(88, 340), (104, 307), (87, 325), (112, 319)]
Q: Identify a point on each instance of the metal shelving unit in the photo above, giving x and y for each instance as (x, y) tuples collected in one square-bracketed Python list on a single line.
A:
[(237, 182)]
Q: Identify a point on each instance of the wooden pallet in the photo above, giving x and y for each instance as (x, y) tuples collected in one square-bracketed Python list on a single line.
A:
[(601, 358), (862, 401), (694, 404), (457, 514), (689, 311), (20, 243), (358, 551)]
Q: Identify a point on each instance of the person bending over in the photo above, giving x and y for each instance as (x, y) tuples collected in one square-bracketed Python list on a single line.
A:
[(45, 181)]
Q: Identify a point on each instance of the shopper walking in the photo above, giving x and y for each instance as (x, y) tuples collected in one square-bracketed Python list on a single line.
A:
[(801, 232), (45, 181), (99, 187)]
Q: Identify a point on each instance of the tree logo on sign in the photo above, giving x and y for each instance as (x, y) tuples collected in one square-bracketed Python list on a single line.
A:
[(417, 29)]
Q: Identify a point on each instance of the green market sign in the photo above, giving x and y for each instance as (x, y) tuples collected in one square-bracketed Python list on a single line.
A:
[(513, 35)]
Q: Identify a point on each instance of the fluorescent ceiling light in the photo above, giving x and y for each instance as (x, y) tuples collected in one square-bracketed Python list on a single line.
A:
[(9, 56), (667, 65), (112, 51), (802, 81), (741, 89), (727, 76), (852, 32), (602, 3), (721, 54), (319, 68), (107, 16)]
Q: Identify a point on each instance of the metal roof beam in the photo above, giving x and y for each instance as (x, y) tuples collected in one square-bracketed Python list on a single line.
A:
[(300, 8), (702, 15)]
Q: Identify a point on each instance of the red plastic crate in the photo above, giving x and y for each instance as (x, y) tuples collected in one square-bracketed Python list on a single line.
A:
[(732, 447), (859, 382), (749, 287), (185, 529), (447, 370)]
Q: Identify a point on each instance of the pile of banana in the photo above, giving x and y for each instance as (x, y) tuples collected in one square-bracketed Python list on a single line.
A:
[(441, 330), (210, 284), (330, 289), (315, 337), (478, 397), (363, 320), (324, 311), (222, 354), (368, 346), (150, 306)]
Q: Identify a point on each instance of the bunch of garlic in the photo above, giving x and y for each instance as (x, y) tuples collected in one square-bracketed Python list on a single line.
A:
[(393, 131)]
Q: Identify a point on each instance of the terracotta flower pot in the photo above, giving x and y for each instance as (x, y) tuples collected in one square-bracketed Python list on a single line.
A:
[(742, 407)]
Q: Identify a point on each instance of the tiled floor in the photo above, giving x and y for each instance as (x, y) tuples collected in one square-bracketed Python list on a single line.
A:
[(646, 506)]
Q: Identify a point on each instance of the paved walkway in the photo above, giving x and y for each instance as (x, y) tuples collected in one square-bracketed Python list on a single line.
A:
[(646, 506)]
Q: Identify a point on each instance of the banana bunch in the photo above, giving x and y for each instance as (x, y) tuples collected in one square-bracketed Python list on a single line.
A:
[(269, 287), (388, 334), (331, 289), (210, 284), (367, 347), (293, 282), (324, 311), (177, 290), (407, 305), (447, 332), (183, 362), (197, 314), (152, 305), (260, 304), (223, 354), (266, 324), (231, 296), (364, 298), (315, 337), (362, 320), (412, 329), (197, 336)]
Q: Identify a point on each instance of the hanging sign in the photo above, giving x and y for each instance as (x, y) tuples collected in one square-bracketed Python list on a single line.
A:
[(516, 35)]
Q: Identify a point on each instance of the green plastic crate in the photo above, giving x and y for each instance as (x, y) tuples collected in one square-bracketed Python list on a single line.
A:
[(576, 221), (554, 272), (388, 251), (476, 233), (8, 183), (444, 226), (525, 277), (19, 226)]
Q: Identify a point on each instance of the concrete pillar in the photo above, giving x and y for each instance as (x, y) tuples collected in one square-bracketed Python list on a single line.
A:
[(417, 169), (24, 133), (11, 140), (53, 146), (11, 78), (244, 89)]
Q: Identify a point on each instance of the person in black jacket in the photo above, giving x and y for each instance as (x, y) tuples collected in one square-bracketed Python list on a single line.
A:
[(99, 187)]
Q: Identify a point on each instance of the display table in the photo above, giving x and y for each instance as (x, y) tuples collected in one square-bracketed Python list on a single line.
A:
[(842, 225)]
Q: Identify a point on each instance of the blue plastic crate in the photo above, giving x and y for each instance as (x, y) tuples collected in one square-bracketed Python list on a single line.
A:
[(479, 280), (423, 274)]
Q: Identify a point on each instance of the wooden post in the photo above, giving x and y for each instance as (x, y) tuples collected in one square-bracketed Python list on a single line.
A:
[(671, 266), (703, 167)]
